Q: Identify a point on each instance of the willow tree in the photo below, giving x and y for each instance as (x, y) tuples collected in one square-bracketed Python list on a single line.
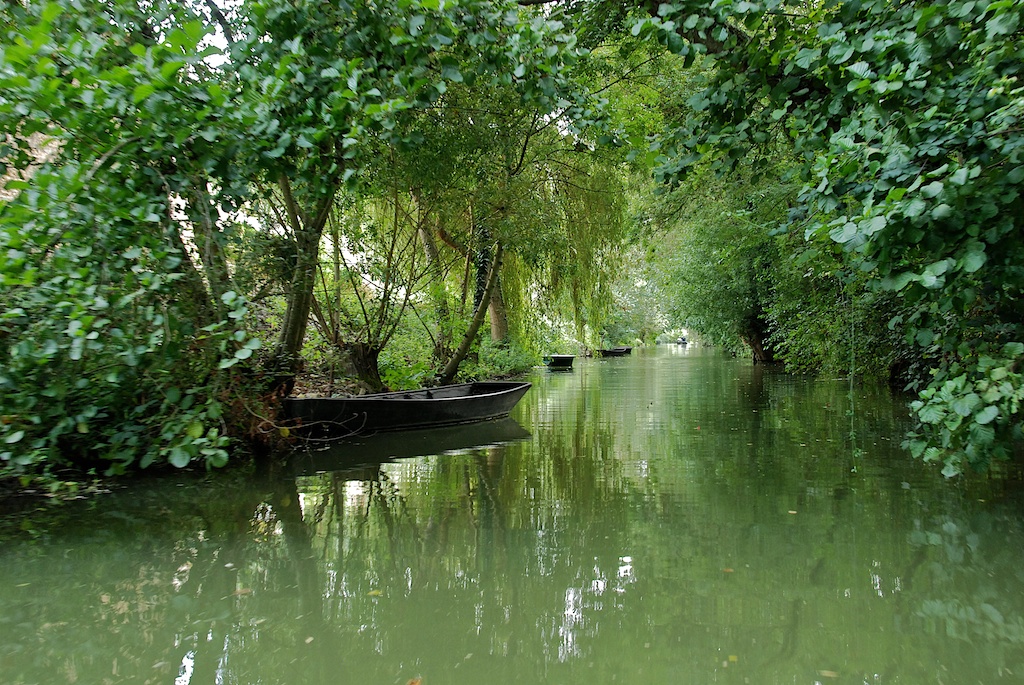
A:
[(123, 332), (555, 208), (327, 83), (403, 62), (373, 270), (494, 176)]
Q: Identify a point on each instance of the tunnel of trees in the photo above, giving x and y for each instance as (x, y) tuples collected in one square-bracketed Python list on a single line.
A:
[(209, 205)]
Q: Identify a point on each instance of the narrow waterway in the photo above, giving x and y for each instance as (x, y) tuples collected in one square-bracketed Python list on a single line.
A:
[(675, 516)]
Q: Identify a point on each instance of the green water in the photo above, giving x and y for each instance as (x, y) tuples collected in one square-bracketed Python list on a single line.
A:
[(670, 517)]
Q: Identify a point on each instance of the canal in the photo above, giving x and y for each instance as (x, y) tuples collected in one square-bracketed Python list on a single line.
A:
[(675, 516)]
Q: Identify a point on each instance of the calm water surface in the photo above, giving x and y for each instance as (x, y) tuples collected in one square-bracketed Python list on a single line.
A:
[(670, 517)]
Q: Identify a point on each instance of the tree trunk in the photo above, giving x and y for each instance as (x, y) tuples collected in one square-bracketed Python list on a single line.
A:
[(299, 303), (307, 231), (499, 314), (452, 367), (209, 243), (761, 351), (482, 257), (756, 338), (364, 359), (206, 310)]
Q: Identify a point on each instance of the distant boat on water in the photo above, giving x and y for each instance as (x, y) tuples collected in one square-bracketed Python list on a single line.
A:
[(559, 361), (615, 352)]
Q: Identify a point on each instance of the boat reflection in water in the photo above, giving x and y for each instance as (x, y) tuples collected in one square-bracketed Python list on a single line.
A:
[(356, 452)]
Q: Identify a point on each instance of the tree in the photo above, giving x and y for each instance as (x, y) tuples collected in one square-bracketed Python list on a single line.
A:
[(122, 331), (905, 119), (359, 305), (495, 173), (719, 257), (111, 337)]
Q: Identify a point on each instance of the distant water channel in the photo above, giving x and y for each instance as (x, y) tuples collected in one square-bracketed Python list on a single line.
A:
[(675, 516)]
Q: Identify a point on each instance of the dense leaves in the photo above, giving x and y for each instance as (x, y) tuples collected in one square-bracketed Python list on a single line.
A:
[(905, 119), (107, 347), (156, 184), (138, 154)]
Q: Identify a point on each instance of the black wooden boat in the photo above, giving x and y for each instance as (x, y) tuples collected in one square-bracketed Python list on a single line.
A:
[(446, 405), (615, 352), (559, 361)]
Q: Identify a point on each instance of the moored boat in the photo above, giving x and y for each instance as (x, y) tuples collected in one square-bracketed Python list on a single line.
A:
[(615, 352), (446, 405), (559, 361)]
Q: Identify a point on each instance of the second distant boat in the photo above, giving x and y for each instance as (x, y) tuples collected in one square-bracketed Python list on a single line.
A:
[(615, 352)]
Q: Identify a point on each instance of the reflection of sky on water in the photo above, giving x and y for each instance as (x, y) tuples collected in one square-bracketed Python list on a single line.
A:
[(185, 672), (572, 620)]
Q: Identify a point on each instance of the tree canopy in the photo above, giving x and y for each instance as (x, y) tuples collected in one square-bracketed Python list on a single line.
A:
[(904, 121), (188, 185)]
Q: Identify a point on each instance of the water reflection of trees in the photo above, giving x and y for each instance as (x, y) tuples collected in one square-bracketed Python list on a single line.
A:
[(592, 518), (135, 591), (619, 542)]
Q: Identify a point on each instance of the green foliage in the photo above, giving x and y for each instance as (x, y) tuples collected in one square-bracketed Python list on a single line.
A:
[(905, 118), (825, 320), (134, 148), (718, 259), (100, 364), (104, 362), (968, 417), (492, 169), (497, 360), (407, 362), (637, 315)]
